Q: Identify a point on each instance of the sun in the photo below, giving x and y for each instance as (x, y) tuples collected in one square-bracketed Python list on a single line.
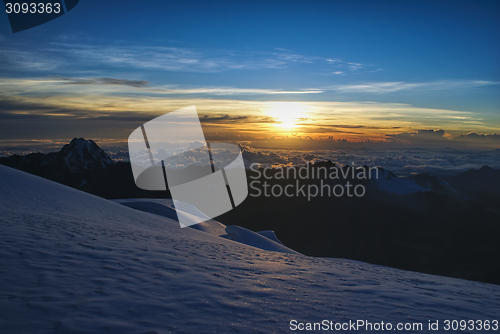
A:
[(288, 114)]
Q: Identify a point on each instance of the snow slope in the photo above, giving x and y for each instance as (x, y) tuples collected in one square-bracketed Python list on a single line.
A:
[(266, 240), (75, 263)]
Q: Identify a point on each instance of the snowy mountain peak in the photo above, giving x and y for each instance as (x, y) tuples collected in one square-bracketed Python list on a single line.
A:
[(81, 153), (432, 182), (387, 181), (81, 143)]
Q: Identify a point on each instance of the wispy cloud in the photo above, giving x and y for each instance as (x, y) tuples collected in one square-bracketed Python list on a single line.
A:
[(391, 87), (156, 57), (343, 66), (58, 55), (110, 85), (26, 60), (101, 86), (231, 91)]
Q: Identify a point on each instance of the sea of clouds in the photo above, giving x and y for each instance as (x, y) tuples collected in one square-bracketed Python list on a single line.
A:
[(401, 160)]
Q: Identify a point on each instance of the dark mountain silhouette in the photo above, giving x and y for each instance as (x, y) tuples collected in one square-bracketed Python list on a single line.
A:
[(482, 185), (81, 164), (483, 180)]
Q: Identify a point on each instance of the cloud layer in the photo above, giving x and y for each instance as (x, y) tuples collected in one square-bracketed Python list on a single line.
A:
[(95, 107)]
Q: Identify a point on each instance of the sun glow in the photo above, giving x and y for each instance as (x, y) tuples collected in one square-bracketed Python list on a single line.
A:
[(288, 114)]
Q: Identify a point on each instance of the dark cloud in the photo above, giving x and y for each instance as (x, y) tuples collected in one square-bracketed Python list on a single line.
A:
[(18, 109), (222, 119), (125, 116), (349, 126), (330, 130), (105, 81), (473, 136), (437, 137), (25, 120), (418, 137), (13, 104)]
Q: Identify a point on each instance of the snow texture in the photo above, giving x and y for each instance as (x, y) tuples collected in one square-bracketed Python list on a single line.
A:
[(75, 263)]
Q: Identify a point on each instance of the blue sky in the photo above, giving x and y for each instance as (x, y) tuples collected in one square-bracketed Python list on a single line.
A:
[(428, 55)]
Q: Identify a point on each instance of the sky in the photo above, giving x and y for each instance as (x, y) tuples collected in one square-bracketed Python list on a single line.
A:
[(291, 73)]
